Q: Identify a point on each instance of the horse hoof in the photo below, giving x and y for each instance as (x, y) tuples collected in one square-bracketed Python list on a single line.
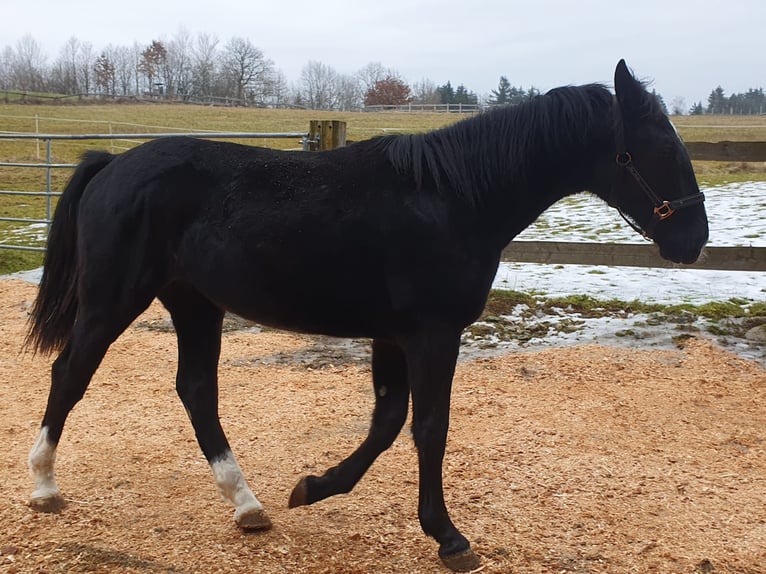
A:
[(464, 561), (300, 494), (50, 504), (253, 519)]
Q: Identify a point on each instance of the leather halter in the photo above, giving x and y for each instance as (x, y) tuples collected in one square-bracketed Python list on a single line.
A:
[(662, 209)]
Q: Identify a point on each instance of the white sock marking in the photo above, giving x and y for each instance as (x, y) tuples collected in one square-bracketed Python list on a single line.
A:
[(232, 486), (41, 460)]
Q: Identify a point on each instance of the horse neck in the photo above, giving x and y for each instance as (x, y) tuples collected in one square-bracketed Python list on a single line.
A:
[(548, 151)]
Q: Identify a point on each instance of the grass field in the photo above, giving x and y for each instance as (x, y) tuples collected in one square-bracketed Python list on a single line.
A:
[(156, 118)]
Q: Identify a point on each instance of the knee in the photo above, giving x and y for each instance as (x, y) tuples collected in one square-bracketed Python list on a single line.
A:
[(197, 395)]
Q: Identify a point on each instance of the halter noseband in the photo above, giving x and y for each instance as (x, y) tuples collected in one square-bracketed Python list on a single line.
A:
[(662, 208)]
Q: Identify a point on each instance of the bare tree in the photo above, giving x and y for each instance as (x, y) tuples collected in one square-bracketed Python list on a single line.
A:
[(204, 55), (246, 70), (124, 68), (179, 64), (349, 93), (136, 57), (318, 86), (425, 92), (277, 90), (372, 73), (678, 106), (6, 61), (28, 65), (64, 70), (85, 63)]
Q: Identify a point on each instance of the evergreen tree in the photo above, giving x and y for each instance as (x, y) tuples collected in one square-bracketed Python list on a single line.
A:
[(753, 102), (716, 102), (696, 109), (501, 96), (659, 97), (518, 96), (446, 93), (463, 96)]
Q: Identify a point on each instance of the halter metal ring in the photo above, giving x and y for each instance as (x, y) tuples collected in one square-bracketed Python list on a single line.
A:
[(624, 159), (664, 211)]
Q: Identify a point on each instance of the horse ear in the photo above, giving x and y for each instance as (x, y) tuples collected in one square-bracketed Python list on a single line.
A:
[(628, 89)]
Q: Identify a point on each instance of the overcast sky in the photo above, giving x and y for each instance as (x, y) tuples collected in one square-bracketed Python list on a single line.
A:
[(687, 48)]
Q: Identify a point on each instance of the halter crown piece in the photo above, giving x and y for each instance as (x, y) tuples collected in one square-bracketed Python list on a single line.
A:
[(662, 208)]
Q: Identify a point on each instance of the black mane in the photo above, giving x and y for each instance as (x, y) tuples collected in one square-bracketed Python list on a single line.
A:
[(465, 157)]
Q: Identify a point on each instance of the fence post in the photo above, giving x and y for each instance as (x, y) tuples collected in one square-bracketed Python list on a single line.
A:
[(37, 131), (326, 134), (48, 184)]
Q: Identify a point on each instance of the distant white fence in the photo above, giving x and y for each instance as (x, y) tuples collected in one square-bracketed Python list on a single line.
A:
[(442, 108)]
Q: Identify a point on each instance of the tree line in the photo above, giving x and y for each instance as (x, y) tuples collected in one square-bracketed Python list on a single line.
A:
[(202, 69), (752, 102)]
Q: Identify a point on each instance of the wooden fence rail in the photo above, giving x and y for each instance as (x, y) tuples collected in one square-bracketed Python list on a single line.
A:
[(727, 151), (631, 255)]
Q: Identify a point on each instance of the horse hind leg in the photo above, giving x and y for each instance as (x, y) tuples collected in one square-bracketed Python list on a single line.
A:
[(389, 374), (71, 374), (198, 328)]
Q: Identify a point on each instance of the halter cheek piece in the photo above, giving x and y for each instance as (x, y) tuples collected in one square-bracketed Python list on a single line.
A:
[(662, 208)]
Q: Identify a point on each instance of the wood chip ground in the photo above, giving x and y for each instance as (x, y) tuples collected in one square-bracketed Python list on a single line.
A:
[(578, 460)]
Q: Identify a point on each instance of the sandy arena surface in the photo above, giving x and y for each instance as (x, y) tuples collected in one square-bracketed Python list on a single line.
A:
[(574, 460)]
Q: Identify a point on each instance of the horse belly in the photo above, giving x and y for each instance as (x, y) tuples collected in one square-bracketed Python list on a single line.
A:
[(324, 296)]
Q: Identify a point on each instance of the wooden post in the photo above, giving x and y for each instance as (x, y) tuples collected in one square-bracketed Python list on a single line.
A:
[(326, 134)]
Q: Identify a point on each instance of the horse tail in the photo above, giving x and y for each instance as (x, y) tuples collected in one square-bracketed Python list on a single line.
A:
[(55, 308)]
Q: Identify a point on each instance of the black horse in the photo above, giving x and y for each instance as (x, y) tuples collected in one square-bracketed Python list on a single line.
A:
[(396, 239)]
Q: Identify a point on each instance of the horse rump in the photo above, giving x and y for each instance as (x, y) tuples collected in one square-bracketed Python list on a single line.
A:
[(55, 308)]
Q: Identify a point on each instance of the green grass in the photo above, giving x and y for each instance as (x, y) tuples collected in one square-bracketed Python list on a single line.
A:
[(12, 260), (537, 315)]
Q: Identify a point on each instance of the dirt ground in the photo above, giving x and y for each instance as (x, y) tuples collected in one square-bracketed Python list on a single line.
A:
[(583, 459)]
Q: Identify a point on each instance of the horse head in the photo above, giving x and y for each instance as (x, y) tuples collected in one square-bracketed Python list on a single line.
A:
[(654, 187)]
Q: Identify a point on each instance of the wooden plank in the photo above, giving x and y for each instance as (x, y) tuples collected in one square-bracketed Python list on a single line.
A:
[(631, 255), (337, 135), (727, 151), (326, 134)]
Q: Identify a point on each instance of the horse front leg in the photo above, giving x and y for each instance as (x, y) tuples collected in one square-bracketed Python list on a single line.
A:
[(431, 359), (389, 377)]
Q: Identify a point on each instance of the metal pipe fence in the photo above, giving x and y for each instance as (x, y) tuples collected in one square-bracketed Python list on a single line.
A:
[(49, 166)]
